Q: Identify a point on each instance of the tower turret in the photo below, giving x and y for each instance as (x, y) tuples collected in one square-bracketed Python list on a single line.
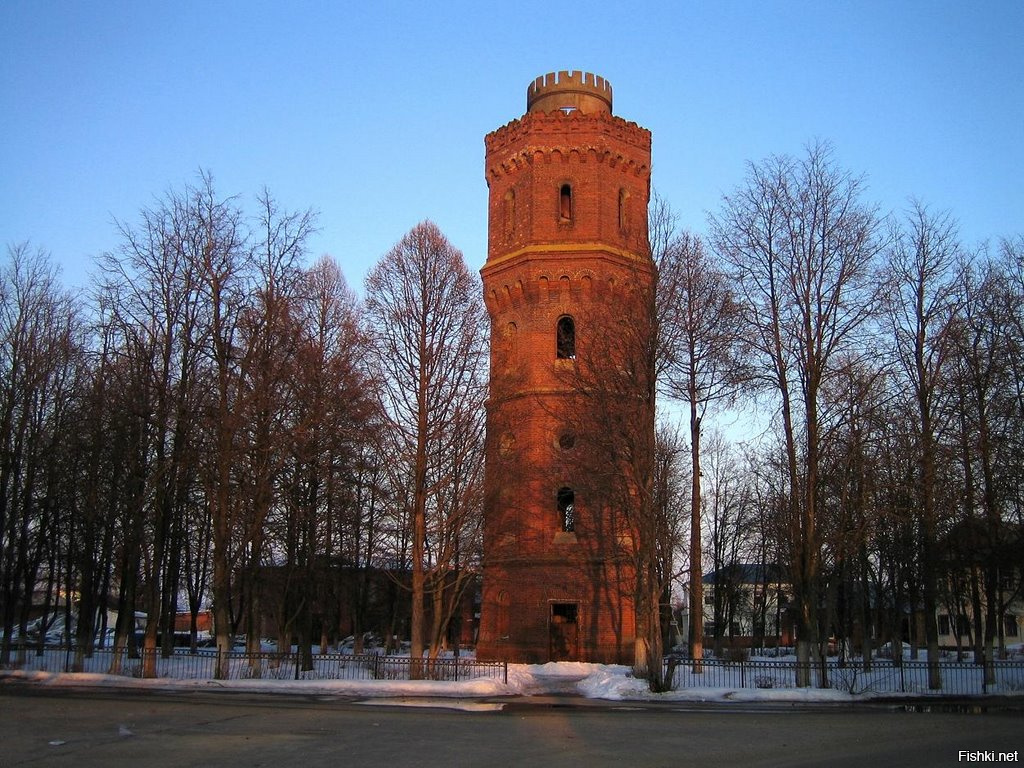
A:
[(568, 91)]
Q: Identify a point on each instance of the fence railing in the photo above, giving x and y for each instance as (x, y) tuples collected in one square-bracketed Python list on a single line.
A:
[(240, 665), (884, 676)]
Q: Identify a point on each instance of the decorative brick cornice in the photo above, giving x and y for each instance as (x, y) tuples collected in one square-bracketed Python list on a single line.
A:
[(557, 136)]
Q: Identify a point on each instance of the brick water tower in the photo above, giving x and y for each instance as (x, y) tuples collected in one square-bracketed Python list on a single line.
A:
[(569, 184)]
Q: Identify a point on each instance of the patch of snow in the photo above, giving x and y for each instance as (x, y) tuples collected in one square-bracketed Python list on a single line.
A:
[(615, 683)]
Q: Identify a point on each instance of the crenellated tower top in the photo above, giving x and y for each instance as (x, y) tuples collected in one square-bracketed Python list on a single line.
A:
[(569, 91)]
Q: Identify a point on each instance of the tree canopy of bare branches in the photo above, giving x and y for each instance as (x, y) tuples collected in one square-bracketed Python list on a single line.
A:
[(426, 318), (802, 249)]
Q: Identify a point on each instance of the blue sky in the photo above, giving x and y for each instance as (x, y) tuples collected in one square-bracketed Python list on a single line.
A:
[(375, 114)]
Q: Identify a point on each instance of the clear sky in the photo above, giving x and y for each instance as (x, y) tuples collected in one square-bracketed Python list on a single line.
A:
[(374, 114)]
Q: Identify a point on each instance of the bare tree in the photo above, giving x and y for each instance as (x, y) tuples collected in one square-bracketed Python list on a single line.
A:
[(922, 267), (268, 345), (1012, 263), (151, 288), (984, 338), (427, 324), (214, 239), (97, 475), (893, 538), (854, 405), (700, 327), (39, 346), (329, 426), (611, 412), (802, 250), (729, 530), (203, 341), (672, 507), (455, 524)]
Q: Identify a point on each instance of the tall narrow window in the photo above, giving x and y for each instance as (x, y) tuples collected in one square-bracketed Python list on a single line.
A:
[(567, 508), (565, 342), (623, 210), (943, 624), (565, 203)]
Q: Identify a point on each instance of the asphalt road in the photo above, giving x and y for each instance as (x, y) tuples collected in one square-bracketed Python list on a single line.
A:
[(61, 727)]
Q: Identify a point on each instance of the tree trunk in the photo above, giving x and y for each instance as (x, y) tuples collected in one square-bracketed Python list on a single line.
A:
[(696, 566)]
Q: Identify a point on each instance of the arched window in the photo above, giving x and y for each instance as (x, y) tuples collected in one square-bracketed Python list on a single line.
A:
[(623, 210), (567, 508), (565, 341), (565, 203)]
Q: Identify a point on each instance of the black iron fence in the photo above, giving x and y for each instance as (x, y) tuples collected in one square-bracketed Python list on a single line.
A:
[(883, 676), (240, 665)]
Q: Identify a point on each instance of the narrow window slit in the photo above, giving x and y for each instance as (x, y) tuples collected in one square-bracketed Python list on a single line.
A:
[(567, 509), (565, 203), (565, 341)]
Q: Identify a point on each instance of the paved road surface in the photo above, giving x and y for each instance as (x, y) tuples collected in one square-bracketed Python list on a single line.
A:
[(53, 727)]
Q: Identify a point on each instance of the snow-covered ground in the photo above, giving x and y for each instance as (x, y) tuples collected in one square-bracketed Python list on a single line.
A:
[(595, 681)]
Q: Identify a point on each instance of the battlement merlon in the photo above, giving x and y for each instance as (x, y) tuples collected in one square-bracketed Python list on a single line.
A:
[(569, 90)]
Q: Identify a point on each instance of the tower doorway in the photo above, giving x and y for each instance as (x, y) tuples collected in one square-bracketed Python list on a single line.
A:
[(564, 632)]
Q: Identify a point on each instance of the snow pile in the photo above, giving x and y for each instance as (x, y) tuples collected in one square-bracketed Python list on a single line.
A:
[(615, 683)]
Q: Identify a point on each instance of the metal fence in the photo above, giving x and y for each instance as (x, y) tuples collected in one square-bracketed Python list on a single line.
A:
[(203, 664), (883, 676)]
